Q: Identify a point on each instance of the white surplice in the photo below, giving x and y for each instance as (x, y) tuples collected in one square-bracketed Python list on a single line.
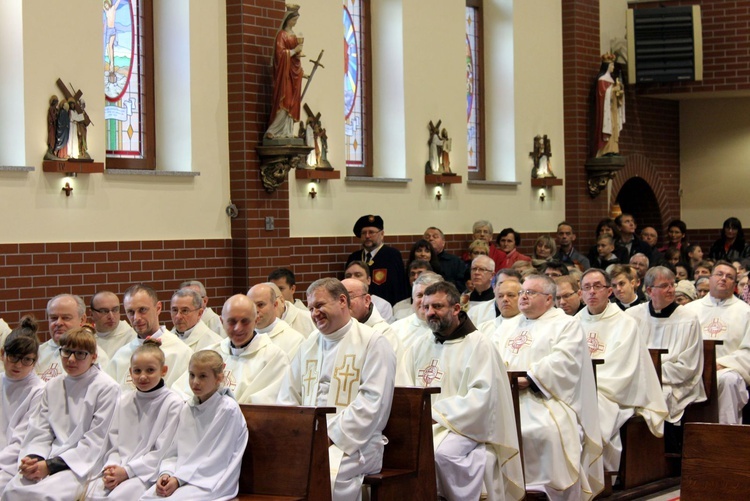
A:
[(682, 367), (74, 418), (352, 369), (482, 312), (728, 321), (384, 307), (253, 373), (199, 337), (627, 383), (475, 403), (299, 318), (213, 321), (560, 424), (284, 336), (206, 454), (410, 330), (402, 309), (49, 363), (142, 432), (176, 353), (115, 339), (20, 401), (380, 325)]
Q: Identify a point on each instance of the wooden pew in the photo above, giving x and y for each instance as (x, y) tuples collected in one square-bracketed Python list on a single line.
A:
[(513, 377), (409, 457), (715, 462), (708, 411), (287, 454)]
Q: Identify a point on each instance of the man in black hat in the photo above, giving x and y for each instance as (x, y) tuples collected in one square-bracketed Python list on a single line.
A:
[(386, 263)]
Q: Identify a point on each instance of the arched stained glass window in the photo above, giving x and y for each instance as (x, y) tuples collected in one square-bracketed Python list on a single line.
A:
[(128, 83)]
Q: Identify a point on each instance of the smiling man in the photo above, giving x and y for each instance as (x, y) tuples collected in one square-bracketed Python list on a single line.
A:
[(349, 366), (267, 303)]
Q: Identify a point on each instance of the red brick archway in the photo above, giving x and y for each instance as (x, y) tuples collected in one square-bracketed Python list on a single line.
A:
[(640, 166)]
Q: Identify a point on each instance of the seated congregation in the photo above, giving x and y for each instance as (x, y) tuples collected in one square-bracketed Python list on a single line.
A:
[(494, 375)]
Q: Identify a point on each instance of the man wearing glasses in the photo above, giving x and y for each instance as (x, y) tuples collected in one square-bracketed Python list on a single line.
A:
[(364, 311), (186, 310), (111, 332), (142, 307), (479, 286), (560, 421), (64, 312), (723, 316), (665, 324), (386, 263)]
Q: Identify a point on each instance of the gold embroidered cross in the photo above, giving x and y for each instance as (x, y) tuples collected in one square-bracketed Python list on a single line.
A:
[(346, 373), (311, 374)]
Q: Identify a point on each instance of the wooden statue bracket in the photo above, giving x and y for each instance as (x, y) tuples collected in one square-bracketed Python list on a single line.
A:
[(277, 160), (600, 170)]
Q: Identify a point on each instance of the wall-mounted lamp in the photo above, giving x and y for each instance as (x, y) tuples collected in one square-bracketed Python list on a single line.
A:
[(438, 194), (312, 192), (542, 195), (67, 189)]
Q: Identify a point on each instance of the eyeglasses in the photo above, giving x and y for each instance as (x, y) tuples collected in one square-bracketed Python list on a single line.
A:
[(183, 311), (664, 286), (531, 294), (720, 275), (565, 297), (106, 311), (79, 354), (480, 269), (593, 287), (26, 361)]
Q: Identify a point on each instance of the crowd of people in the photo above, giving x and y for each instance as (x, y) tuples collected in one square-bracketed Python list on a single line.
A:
[(115, 409)]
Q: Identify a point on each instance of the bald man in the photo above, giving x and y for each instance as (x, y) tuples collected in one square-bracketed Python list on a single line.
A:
[(268, 299), (112, 333), (254, 365)]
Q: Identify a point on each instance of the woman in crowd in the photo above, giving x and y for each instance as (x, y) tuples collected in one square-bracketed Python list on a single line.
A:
[(730, 246)]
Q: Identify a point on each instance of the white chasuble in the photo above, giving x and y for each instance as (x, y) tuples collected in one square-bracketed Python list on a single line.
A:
[(199, 337), (253, 373), (411, 330), (627, 383), (115, 339), (682, 367), (206, 454), (283, 336), (298, 318), (474, 402), (560, 424)]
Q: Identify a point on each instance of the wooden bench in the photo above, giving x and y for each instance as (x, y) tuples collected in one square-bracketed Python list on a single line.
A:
[(287, 454), (409, 458), (715, 462), (708, 411)]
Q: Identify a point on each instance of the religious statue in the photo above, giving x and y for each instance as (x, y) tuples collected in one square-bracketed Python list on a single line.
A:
[(542, 158), (51, 127), (67, 124), (440, 147), (610, 108), (287, 78), (315, 136)]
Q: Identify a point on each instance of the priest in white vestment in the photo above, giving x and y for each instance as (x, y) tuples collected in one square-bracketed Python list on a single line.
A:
[(111, 332), (665, 324), (559, 419), (298, 318), (506, 302), (254, 365), (475, 438), (209, 317), (726, 318), (413, 328), (488, 311), (351, 367), (186, 308), (627, 383), (64, 312), (267, 299), (142, 308)]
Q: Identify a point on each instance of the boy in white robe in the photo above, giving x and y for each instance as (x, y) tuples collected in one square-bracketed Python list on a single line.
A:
[(111, 332), (725, 317), (475, 436), (253, 365), (349, 366), (627, 383), (65, 445), (142, 308), (559, 419)]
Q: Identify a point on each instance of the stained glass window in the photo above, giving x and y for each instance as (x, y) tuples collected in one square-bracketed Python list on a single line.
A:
[(356, 126), (127, 86), (473, 89)]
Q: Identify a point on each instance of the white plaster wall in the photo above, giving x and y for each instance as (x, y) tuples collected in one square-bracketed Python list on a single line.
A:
[(62, 39), (714, 160), (434, 88)]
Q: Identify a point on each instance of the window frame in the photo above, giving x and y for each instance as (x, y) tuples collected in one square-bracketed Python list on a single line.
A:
[(481, 173), (366, 95)]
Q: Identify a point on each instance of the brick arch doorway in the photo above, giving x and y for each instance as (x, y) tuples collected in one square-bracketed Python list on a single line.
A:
[(637, 198)]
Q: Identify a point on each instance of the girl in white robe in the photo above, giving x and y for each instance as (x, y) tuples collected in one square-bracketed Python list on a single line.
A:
[(65, 445), (205, 460), (143, 429), (21, 392)]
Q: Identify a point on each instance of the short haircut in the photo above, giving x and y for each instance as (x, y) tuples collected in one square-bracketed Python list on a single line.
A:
[(724, 262), (679, 224), (555, 265), (80, 305), (194, 283), (509, 272), (210, 358), (549, 286), (700, 281), (361, 264), (487, 260), (150, 347), (567, 279), (703, 264), (481, 224), (22, 340), (450, 290), (657, 272), (618, 219), (507, 231), (101, 293), (442, 235), (81, 338), (284, 273), (418, 264), (333, 286), (608, 238), (135, 289), (192, 294), (564, 223), (547, 241), (427, 278), (623, 269), (641, 254), (607, 278)]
